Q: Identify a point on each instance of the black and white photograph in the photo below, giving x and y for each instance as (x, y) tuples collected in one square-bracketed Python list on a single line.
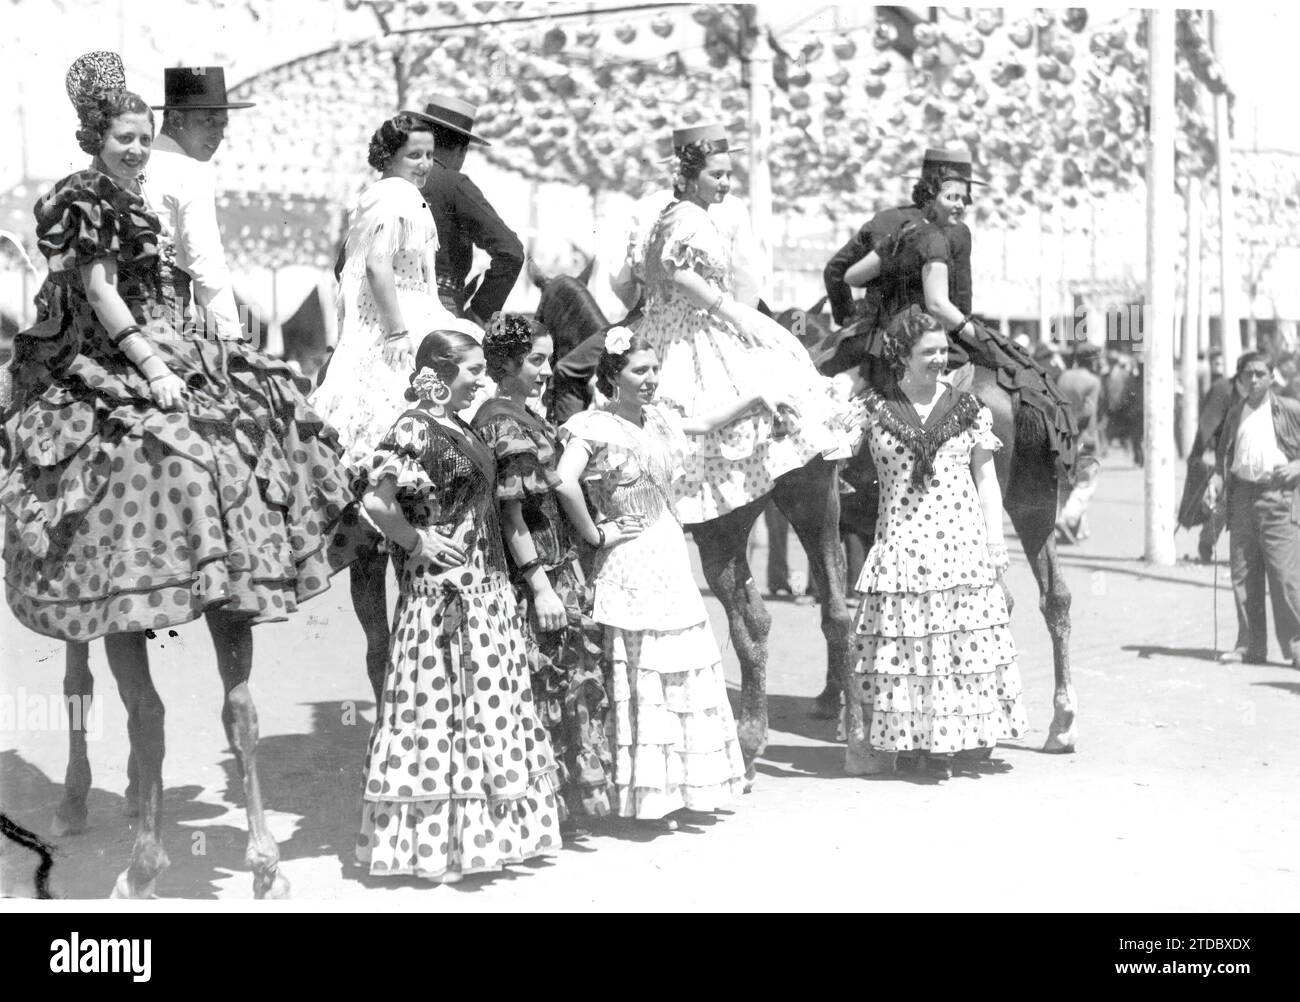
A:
[(495, 457)]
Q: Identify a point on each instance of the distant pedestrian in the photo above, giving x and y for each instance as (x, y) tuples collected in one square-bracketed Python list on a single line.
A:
[(1081, 386), (1257, 457)]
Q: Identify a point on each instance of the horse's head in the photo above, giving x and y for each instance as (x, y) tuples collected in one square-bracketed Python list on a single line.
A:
[(811, 326), (569, 311)]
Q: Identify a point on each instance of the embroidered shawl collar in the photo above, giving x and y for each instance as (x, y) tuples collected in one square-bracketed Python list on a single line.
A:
[(953, 414)]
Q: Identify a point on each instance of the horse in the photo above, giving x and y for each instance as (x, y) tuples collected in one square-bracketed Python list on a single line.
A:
[(1026, 472), (809, 497), (1028, 476), (128, 658)]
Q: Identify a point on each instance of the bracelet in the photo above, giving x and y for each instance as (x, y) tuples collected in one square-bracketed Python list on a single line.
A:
[(716, 303), (123, 334), (965, 322), (601, 541), (531, 565), (395, 335), (155, 379)]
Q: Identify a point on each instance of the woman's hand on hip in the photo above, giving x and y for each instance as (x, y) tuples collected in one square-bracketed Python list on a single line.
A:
[(438, 549)]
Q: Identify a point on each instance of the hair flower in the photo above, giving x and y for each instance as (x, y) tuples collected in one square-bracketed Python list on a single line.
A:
[(618, 340), (427, 384)]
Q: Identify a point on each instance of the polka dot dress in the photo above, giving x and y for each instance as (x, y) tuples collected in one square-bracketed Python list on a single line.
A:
[(120, 516), (459, 775), (935, 663), (706, 365)]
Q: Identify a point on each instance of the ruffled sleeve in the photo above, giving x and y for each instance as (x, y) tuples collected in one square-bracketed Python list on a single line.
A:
[(600, 435), (87, 217), (521, 471), (691, 240), (983, 430), (390, 216), (402, 454)]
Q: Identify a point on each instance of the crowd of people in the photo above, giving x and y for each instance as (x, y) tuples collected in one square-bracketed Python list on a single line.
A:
[(551, 656)]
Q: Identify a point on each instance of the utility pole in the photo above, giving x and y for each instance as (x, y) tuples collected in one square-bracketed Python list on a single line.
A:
[(1191, 314), (1158, 339), (1229, 271), (760, 141)]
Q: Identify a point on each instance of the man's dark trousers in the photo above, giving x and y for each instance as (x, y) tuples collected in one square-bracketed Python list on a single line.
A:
[(1264, 545)]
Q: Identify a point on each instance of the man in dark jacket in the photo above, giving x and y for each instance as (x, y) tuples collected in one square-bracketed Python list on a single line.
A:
[(464, 217), (1257, 464)]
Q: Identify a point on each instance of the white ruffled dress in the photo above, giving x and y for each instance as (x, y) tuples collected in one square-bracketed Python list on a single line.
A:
[(935, 662), (362, 394), (705, 364), (674, 735)]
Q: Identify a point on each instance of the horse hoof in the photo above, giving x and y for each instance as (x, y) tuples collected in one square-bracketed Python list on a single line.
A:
[(827, 705), (63, 826), (273, 886), (751, 777), (124, 890), (1061, 743)]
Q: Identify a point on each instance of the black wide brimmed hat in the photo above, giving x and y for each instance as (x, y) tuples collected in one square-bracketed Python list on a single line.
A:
[(196, 87), (451, 113), (947, 165)]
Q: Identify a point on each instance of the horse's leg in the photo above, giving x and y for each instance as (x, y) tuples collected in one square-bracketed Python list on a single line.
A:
[(128, 658), (1035, 526), (810, 499), (370, 602), (232, 636), (78, 693), (721, 544)]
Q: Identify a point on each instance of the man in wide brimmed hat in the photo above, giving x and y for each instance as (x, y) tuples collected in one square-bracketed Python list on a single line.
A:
[(181, 188), (464, 217)]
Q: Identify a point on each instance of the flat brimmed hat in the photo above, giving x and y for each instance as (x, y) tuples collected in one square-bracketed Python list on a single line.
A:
[(451, 113), (949, 165), (715, 134), (186, 87)]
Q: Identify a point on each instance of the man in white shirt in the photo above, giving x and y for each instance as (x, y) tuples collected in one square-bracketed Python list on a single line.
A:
[(1258, 455), (181, 188)]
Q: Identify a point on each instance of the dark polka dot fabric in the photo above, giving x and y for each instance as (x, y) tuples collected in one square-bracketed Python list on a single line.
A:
[(120, 516), (459, 775), (936, 665)]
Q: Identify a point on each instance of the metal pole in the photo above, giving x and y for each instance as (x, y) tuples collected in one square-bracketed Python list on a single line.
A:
[(1191, 314), (760, 144), (1229, 269), (1157, 344)]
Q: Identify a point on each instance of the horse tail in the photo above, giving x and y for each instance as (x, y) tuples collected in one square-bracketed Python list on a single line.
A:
[(535, 274), (1032, 453)]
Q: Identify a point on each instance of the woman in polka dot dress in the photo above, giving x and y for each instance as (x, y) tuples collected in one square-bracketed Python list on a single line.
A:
[(936, 665), (674, 734), (563, 642), (152, 476), (459, 776), (387, 298), (715, 348)]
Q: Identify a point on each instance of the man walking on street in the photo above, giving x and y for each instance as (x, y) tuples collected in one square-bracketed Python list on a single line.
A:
[(465, 218), (1081, 387), (1257, 456)]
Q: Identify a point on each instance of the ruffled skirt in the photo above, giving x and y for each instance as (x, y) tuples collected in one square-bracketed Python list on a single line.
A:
[(935, 667), (674, 734), (569, 694), (459, 774), (705, 366), (121, 517)]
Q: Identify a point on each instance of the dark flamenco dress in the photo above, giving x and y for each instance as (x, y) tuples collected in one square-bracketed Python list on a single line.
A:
[(121, 516), (565, 666)]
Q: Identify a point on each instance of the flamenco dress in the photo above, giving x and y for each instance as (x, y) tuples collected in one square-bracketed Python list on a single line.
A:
[(705, 364), (674, 733), (121, 516), (361, 394), (458, 775), (564, 665), (935, 663)]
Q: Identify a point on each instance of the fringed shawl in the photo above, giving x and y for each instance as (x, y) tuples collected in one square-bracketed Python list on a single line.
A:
[(953, 414)]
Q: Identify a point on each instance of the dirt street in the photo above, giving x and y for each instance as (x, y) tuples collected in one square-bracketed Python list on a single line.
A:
[(1181, 795)]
